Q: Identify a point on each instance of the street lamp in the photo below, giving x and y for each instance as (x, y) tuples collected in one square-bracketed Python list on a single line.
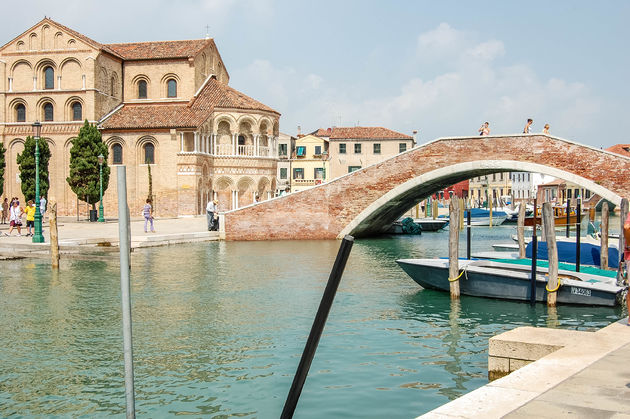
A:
[(101, 219), (37, 237)]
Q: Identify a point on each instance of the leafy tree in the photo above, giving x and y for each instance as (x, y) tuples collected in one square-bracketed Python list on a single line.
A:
[(26, 164), (150, 182), (2, 165), (84, 168)]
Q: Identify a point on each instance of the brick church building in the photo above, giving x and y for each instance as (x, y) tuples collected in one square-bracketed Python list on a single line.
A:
[(164, 104)]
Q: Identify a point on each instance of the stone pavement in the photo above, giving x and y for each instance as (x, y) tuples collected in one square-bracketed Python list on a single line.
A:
[(590, 379), (82, 235)]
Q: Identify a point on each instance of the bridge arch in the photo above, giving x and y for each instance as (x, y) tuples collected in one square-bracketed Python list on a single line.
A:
[(365, 201), (394, 203)]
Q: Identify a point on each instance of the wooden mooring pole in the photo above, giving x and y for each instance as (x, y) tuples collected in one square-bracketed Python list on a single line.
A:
[(490, 209), (453, 248), (623, 214), (434, 211), (520, 231), (603, 263), (54, 236), (552, 253)]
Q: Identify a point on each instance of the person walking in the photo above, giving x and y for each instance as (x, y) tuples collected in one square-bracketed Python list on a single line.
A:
[(5, 210), (42, 207), (484, 129), (30, 218), (211, 209), (15, 218), (546, 129), (528, 126), (147, 212)]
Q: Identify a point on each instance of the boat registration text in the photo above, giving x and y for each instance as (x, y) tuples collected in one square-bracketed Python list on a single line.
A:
[(581, 291)]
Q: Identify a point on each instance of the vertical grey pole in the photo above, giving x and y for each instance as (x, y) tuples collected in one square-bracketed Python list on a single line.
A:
[(124, 245)]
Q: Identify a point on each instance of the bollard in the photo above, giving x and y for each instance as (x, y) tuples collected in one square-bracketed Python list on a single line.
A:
[(468, 234), (54, 235), (532, 292), (453, 248), (603, 253), (520, 231), (552, 254), (125, 288), (317, 328)]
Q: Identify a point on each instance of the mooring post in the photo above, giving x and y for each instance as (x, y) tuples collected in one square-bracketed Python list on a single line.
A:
[(453, 248), (568, 217), (468, 233), (552, 253), (435, 209), (317, 328), (532, 292), (603, 253), (578, 234), (490, 208), (461, 213), (520, 230), (623, 214), (54, 236), (125, 288)]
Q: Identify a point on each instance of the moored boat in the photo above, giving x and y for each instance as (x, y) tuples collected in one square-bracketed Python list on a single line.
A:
[(511, 281)]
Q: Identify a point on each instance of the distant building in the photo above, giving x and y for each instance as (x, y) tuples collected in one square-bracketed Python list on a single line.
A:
[(493, 186), (352, 148), (460, 189), (623, 149), (558, 191), (525, 184), (286, 148), (309, 163)]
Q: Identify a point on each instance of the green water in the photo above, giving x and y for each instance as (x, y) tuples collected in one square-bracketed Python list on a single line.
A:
[(219, 329)]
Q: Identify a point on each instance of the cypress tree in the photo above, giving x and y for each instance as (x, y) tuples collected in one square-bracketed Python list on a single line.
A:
[(26, 164), (2, 165), (84, 168)]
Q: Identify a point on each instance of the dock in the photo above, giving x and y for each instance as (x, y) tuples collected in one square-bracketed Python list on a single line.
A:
[(579, 374)]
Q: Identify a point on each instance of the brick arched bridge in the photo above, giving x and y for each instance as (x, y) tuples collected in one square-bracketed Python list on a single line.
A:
[(367, 201)]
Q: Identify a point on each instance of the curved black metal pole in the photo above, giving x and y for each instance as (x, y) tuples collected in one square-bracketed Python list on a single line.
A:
[(317, 328)]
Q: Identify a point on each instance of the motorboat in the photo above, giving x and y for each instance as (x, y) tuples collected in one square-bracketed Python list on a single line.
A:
[(511, 280)]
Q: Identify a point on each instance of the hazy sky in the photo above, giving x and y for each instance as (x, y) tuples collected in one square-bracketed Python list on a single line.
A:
[(440, 67)]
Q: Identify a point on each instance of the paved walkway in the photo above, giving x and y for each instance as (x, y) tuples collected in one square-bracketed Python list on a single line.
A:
[(83, 234), (588, 380)]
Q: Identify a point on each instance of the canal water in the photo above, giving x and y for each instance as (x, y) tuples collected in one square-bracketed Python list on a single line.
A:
[(219, 329)]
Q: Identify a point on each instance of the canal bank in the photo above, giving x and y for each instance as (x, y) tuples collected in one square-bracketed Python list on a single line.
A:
[(587, 375)]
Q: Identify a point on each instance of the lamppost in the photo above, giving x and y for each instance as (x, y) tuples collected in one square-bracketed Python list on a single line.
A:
[(37, 237), (101, 219)]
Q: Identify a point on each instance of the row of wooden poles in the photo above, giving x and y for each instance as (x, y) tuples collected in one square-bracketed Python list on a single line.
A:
[(456, 219)]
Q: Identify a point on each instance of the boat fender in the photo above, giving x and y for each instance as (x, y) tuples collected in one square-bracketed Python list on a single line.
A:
[(556, 288)]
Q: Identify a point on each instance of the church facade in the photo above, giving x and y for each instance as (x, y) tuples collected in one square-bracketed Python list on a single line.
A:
[(165, 106)]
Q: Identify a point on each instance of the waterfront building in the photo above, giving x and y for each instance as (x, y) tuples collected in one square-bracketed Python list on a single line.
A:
[(558, 191), (352, 148), (493, 186), (165, 104), (525, 184), (623, 149), (309, 163), (286, 148)]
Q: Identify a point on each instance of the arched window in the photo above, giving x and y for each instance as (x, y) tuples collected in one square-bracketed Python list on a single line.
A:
[(142, 89), (117, 154), (49, 78), (77, 111), (112, 87), (149, 153), (171, 88), (20, 113), (48, 112)]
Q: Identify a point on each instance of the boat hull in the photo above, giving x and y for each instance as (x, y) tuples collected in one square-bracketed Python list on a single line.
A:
[(490, 279)]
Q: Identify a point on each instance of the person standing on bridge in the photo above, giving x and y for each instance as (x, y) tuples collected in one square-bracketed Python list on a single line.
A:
[(485, 129), (546, 129), (528, 126)]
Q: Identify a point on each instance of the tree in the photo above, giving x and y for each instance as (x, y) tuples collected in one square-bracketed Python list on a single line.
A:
[(26, 164), (150, 182), (84, 168), (2, 165)]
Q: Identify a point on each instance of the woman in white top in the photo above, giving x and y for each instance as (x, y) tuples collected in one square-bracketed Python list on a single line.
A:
[(15, 218)]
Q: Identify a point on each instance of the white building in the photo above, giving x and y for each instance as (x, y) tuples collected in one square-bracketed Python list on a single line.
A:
[(525, 184)]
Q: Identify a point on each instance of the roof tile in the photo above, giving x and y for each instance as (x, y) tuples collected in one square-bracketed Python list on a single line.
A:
[(374, 133), (159, 50)]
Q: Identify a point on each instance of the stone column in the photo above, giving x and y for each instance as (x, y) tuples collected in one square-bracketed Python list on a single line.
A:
[(196, 142), (181, 136), (235, 144), (10, 84), (58, 82), (34, 83)]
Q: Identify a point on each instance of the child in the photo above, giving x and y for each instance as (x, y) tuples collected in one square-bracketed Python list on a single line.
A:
[(30, 218), (147, 211)]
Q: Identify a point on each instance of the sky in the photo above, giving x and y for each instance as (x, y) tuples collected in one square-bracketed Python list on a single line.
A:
[(439, 67)]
